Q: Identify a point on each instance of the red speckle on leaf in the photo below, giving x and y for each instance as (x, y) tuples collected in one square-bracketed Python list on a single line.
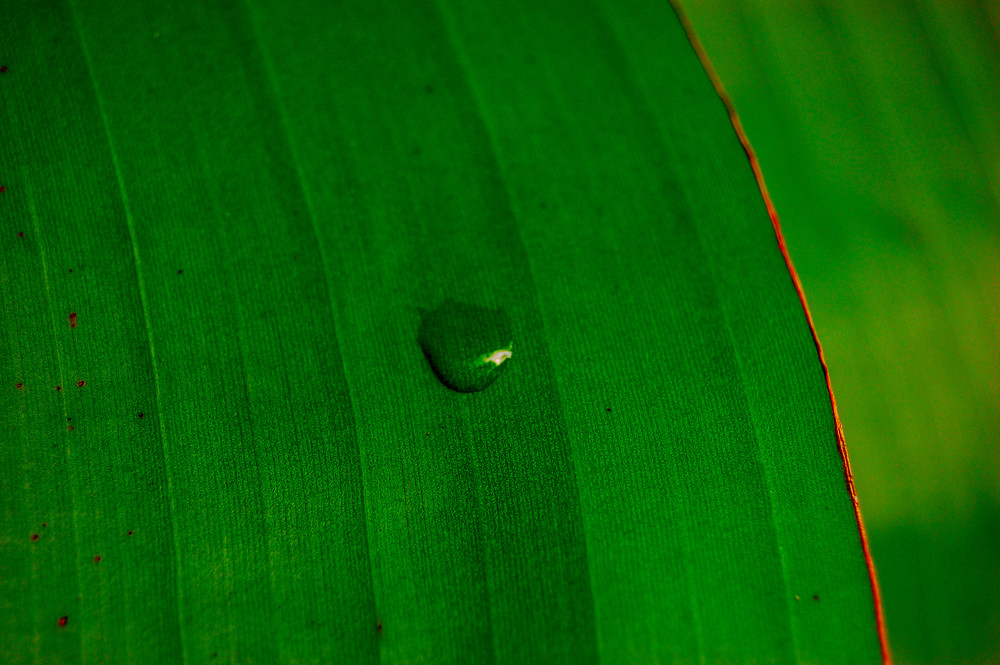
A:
[(72, 320), (20, 385), (45, 523), (81, 383), (428, 433), (2, 189), (58, 387), (608, 409), (70, 428), (20, 234), (34, 536), (379, 626), (97, 559), (142, 415), (815, 597), (63, 621), (3, 70)]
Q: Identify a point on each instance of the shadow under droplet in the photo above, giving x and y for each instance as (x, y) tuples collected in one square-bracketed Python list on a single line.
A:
[(468, 347)]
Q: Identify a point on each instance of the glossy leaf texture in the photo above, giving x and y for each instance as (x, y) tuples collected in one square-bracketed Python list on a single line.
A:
[(222, 442)]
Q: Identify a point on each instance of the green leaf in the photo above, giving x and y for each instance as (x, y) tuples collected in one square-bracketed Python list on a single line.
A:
[(235, 214)]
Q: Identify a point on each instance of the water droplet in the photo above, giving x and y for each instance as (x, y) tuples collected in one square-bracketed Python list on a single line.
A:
[(468, 346)]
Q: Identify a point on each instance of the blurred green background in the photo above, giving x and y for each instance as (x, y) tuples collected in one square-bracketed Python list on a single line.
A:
[(877, 127)]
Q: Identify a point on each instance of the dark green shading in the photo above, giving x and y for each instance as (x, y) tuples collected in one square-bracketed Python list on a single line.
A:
[(81, 490), (467, 346), (234, 365)]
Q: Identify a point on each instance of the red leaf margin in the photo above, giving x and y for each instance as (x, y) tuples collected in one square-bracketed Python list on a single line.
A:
[(841, 445)]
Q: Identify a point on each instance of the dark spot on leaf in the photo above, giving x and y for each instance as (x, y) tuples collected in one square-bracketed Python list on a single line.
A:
[(815, 597), (71, 270), (608, 409), (130, 532), (428, 433), (81, 383), (45, 523), (97, 559), (63, 621), (72, 319), (142, 415), (179, 272), (20, 385), (379, 626), (58, 387), (34, 536)]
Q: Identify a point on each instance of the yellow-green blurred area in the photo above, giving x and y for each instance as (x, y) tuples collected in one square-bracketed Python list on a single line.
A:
[(877, 127)]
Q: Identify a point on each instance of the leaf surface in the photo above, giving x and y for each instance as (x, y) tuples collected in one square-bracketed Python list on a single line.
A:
[(259, 200)]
